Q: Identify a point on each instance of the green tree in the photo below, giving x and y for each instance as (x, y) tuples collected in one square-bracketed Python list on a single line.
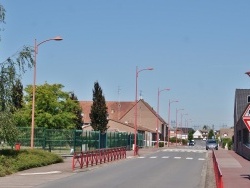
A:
[(205, 127), (8, 130), (17, 94), (77, 111), (10, 71), (210, 134), (190, 135), (54, 109), (99, 113)]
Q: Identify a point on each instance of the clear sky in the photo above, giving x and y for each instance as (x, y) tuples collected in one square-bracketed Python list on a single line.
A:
[(198, 49)]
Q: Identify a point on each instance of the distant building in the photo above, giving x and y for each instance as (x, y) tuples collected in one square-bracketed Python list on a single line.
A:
[(226, 133), (122, 118), (197, 134)]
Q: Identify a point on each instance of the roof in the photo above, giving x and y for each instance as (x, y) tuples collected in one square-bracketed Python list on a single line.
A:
[(240, 103), (115, 109)]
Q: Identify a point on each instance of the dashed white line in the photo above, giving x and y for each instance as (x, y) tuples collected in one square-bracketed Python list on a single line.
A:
[(165, 157), (153, 157), (201, 159), (177, 157), (189, 158)]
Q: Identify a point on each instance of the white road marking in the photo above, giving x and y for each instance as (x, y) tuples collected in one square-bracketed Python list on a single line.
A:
[(141, 157), (41, 173), (189, 158), (177, 157), (165, 157), (153, 157), (201, 159)]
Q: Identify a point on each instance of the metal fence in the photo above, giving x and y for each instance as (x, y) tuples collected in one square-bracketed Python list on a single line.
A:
[(66, 141)]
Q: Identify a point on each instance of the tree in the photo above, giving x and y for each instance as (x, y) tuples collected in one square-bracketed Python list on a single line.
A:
[(210, 134), (205, 127), (98, 114), (17, 94), (54, 109), (77, 111), (190, 135), (10, 71), (8, 130)]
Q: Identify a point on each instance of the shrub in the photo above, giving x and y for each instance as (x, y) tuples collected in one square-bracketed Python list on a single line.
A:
[(227, 141), (161, 144)]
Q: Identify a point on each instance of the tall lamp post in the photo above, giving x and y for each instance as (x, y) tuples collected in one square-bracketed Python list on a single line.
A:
[(169, 103), (186, 124), (58, 38), (157, 118), (177, 110), (181, 123), (136, 80)]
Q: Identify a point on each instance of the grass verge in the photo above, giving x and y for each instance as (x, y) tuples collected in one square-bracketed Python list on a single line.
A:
[(12, 161)]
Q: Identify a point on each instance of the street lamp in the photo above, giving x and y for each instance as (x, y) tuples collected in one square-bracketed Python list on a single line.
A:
[(181, 123), (58, 38), (157, 118), (248, 73), (136, 78), (177, 110), (186, 124), (169, 118)]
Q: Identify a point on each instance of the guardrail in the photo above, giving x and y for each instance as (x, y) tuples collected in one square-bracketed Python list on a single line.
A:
[(97, 157), (217, 172)]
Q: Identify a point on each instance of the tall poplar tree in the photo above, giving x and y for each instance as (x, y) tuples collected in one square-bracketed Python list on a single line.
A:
[(99, 113)]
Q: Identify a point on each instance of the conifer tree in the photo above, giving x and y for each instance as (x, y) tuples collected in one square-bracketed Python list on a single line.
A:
[(99, 113)]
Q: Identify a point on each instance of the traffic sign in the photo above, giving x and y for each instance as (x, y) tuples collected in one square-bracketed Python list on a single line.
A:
[(246, 117)]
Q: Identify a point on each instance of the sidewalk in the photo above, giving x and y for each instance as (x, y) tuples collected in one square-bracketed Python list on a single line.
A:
[(235, 169)]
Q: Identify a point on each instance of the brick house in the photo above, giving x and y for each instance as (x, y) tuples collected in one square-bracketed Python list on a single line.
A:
[(121, 118), (241, 132)]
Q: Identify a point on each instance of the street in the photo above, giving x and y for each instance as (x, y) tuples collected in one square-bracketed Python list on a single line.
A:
[(167, 168)]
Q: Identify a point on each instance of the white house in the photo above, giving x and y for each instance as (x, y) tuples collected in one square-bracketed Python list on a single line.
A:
[(197, 134)]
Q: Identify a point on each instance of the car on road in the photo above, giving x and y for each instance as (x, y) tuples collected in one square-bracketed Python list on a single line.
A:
[(211, 144), (191, 143)]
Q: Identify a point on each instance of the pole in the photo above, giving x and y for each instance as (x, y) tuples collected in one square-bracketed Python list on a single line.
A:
[(33, 99), (168, 121), (157, 121), (136, 76), (176, 127), (58, 38)]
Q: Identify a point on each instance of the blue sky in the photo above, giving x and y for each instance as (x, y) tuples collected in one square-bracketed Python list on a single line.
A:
[(198, 49)]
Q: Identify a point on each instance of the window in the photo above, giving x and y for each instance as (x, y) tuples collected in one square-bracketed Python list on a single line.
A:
[(248, 99)]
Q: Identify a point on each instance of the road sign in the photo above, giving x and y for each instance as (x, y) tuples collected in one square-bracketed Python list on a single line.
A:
[(246, 117)]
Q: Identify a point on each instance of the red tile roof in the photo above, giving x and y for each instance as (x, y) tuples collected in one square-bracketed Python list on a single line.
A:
[(115, 109)]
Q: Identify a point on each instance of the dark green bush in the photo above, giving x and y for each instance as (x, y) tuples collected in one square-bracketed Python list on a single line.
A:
[(161, 144)]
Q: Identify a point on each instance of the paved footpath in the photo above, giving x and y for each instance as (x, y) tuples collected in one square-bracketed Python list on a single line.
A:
[(235, 169)]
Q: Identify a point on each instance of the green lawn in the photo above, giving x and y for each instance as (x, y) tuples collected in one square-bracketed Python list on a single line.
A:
[(12, 161)]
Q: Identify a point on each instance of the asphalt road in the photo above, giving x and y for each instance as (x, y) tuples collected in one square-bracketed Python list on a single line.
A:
[(167, 168)]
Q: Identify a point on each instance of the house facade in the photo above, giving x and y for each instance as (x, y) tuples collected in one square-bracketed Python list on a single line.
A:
[(241, 131), (197, 134), (122, 119)]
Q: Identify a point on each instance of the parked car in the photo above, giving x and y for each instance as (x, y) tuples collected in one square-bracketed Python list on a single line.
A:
[(211, 144), (191, 143)]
